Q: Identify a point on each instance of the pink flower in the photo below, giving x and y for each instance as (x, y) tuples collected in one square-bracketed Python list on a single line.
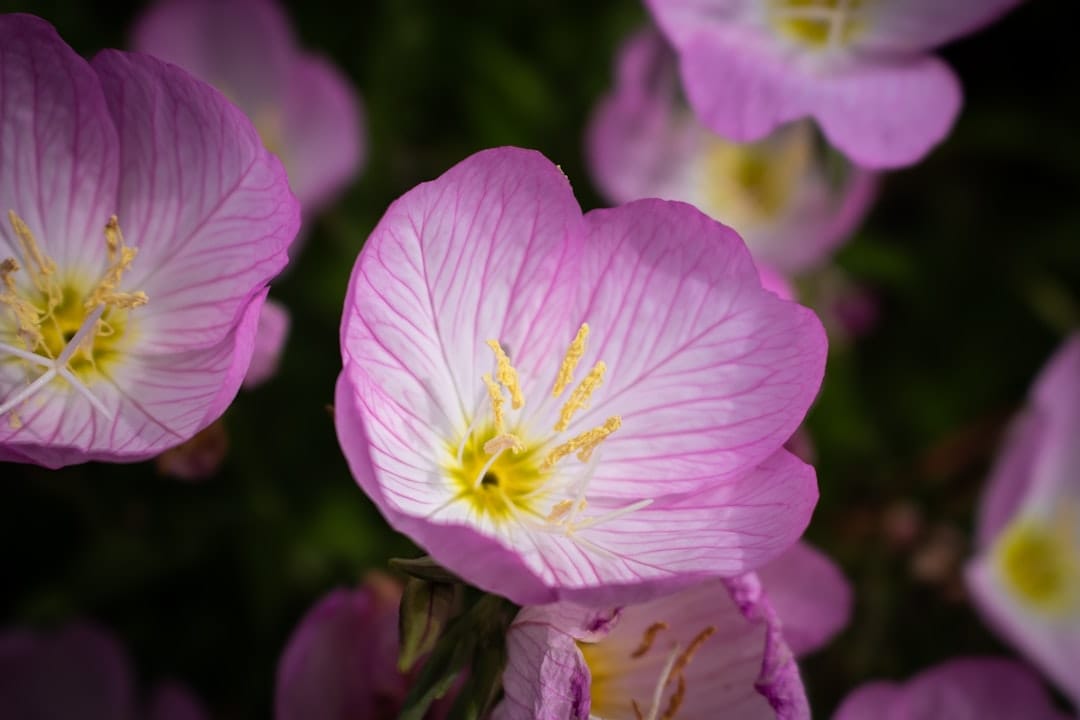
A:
[(304, 108), (566, 407), (1025, 577), (341, 661), (983, 688), (79, 671), (792, 211), (270, 337), (861, 68), (721, 649), (117, 344)]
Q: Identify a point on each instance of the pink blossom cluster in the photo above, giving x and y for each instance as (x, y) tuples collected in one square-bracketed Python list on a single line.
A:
[(585, 413)]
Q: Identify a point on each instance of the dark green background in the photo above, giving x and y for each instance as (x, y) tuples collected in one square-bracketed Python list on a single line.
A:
[(974, 255)]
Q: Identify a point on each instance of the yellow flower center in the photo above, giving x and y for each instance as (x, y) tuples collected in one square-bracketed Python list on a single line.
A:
[(616, 675), (504, 473), (1040, 563), (62, 328), (752, 184), (817, 24)]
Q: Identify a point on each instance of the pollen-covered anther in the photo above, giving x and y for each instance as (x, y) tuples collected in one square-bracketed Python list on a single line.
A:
[(570, 361), (648, 639), (562, 510), (507, 375), (583, 444), (120, 258), (497, 400), (40, 267), (580, 397), (506, 441), (27, 315)]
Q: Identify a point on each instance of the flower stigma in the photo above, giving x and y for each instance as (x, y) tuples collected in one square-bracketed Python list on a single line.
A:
[(817, 24), (61, 328), (505, 473)]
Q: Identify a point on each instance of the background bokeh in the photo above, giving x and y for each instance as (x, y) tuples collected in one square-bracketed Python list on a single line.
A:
[(974, 257)]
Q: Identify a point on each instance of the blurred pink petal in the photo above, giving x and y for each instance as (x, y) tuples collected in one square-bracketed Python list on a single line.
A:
[(983, 688), (270, 338), (305, 108), (811, 596)]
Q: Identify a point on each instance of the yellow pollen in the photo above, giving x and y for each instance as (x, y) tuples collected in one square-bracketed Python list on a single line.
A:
[(507, 375), (580, 397), (120, 259), (570, 361), (507, 441), (27, 316), (676, 701), (562, 509), (41, 267), (692, 649), (582, 444), (648, 639), (495, 393)]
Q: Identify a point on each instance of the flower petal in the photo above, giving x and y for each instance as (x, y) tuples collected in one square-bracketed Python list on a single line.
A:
[(322, 132), (58, 146), (810, 594), (172, 701), (913, 25), (722, 531), (887, 114), (270, 337), (546, 675), (77, 671), (339, 662), (242, 47), (208, 208), (1052, 644), (984, 688), (709, 372)]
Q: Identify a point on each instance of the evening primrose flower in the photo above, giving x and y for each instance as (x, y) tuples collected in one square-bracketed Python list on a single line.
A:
[(305, 109), (720, 649), (974, 687), (566, 407), (791, 203), (861, 68), (80, 671), (1025, 577), (142, 220)]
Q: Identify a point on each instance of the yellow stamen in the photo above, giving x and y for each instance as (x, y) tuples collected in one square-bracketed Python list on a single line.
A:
[(495, 393), (120, 259), (688, 654), (40, 267), (582, 444), (676, 700), (507, 441), (562, 509), (580, 397), (507, 375), (648, 638), (27, 315), (573, 356)]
